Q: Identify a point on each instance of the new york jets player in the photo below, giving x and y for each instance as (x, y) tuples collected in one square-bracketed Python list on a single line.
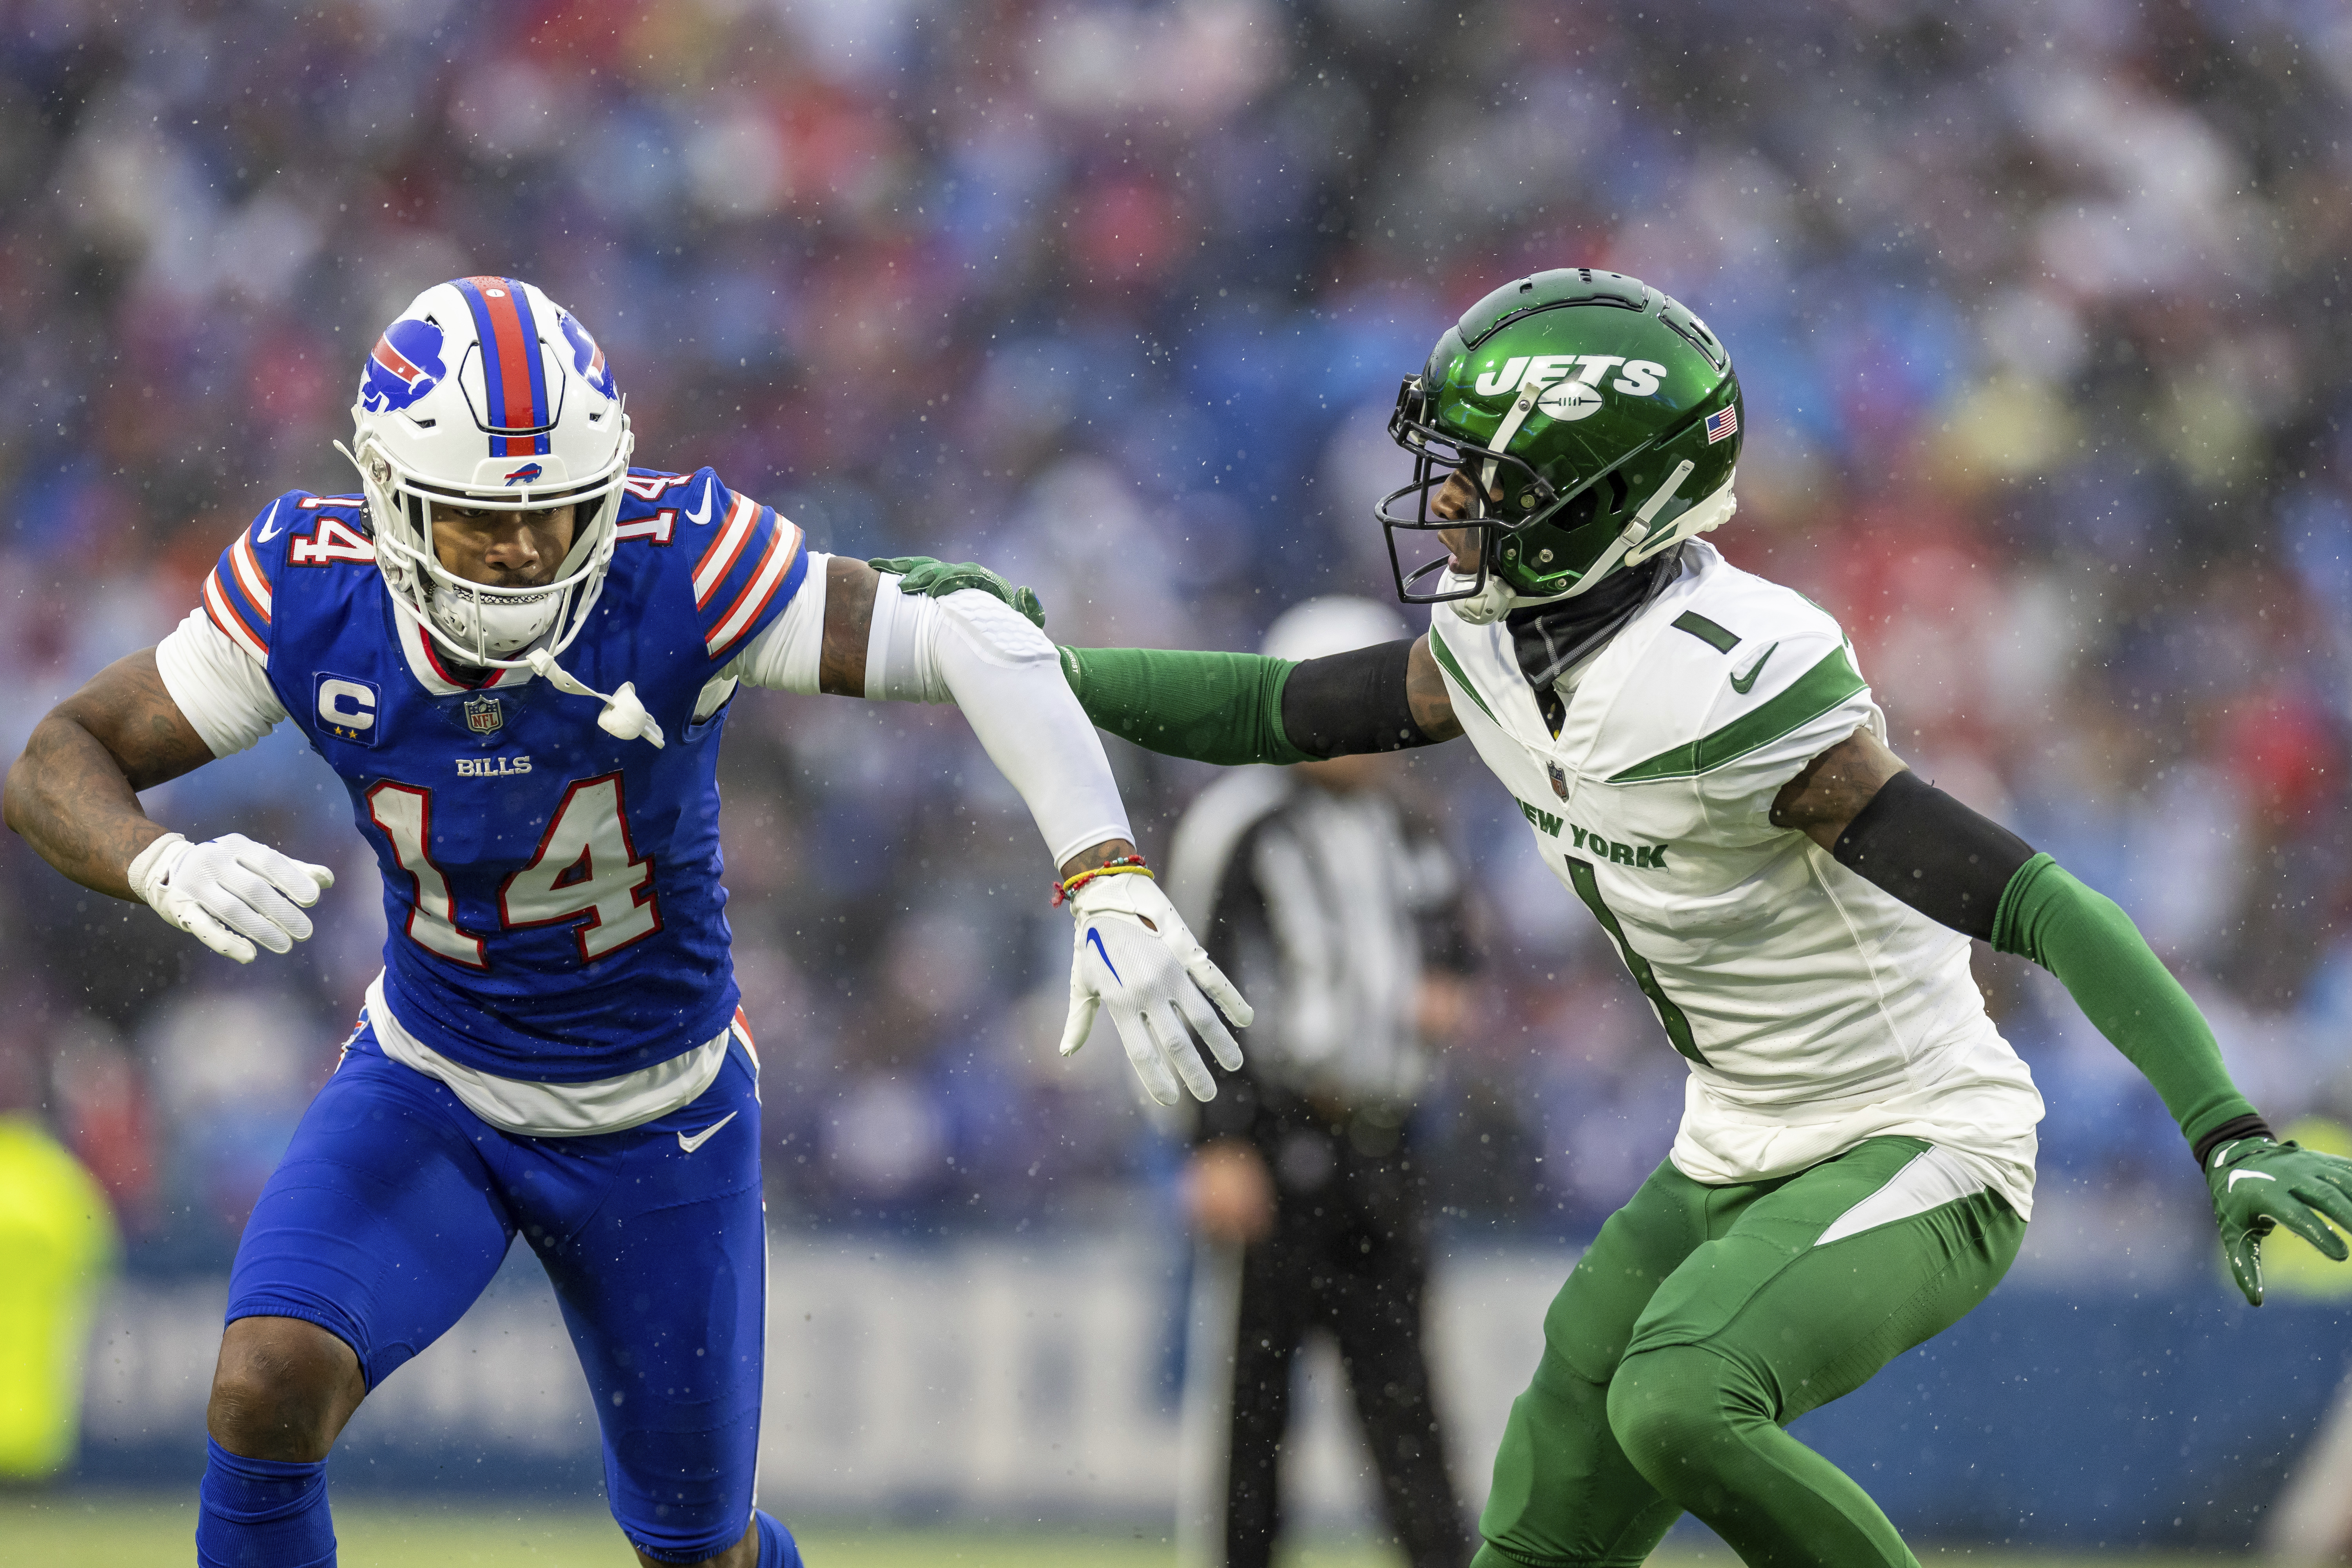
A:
[(1700, 763), (517, 652)]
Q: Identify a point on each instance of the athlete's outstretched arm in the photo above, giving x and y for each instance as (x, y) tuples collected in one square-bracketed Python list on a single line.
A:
[(852, 590), (1227, 709), (1232, 708), (858, 633), (73, 796), (1433, 705), (1882, 821)]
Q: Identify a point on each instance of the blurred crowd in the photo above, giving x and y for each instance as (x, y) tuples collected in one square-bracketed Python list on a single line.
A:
[(2038, 307)]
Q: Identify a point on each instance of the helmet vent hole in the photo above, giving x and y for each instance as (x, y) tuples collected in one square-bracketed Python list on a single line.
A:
[(1698, 338), (1579, 512)]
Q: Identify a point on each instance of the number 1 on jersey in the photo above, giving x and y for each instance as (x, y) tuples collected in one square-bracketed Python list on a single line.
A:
[(405, 815)]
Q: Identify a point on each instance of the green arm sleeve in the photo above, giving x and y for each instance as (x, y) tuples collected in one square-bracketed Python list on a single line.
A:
[(1220, 708), (2087, 941)]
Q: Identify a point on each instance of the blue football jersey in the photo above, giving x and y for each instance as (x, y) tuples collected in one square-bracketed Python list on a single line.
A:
[(552, 894)]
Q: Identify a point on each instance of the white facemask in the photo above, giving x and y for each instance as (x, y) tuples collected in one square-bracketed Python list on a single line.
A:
[(499, 627)]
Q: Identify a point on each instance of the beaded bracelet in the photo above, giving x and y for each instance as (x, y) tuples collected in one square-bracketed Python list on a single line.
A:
[(1124, 865)]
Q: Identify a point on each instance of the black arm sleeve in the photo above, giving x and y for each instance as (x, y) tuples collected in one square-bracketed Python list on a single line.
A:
[(1351, 702), (1933, 853)]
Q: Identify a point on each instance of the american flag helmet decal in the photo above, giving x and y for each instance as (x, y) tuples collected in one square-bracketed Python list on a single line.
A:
[(1721, 423)]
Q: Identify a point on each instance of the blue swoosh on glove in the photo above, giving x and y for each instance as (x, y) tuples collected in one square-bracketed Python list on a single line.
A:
[(1095, 937)]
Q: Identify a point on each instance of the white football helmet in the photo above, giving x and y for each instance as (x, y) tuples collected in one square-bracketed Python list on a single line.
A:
[(487, 395)]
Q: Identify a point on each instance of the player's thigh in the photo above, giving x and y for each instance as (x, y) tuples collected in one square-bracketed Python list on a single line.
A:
[(659, 1264), (1592, 1320), (1839, 1270), (381, 1223), (1564, 1490)]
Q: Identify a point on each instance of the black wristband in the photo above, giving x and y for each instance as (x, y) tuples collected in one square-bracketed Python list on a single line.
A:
[(1933, 853), (2236, 1127), (1350, 702)]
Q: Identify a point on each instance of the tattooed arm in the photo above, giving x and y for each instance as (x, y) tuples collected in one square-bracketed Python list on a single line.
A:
[(1833, 789), (1425, 693), (849, 588), (73, 795)]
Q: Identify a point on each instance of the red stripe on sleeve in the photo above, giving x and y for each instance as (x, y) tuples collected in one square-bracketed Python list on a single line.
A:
[(250, 578), (224, 614), (719, 562), (775, 565)]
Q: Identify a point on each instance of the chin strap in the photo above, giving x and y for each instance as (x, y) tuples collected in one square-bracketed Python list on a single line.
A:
[(1486, 606), (625, 717), (1631, 545)]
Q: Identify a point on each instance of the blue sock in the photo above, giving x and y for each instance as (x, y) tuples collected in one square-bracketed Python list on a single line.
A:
[(264, 1513), (777, 1547)]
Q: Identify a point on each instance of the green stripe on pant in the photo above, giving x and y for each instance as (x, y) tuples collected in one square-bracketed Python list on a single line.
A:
[(1701, 1322)]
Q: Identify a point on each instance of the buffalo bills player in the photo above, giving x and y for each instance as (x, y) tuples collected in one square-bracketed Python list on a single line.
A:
[(517, 653)]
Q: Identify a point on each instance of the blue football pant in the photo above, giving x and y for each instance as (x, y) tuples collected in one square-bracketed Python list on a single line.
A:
[(395, 1204)]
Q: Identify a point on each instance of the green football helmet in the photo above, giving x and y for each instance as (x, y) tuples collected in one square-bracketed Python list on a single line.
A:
[(1598, 422)]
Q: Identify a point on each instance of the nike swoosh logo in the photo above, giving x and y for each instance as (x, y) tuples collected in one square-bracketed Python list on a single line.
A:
[(1095, 937), (702, 516), (699, 1139), (2237, 1176), (270, 530), (1743, 684)]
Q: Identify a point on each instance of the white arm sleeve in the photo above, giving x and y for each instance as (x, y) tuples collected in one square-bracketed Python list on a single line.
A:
[(901, 651), (972, 649), (785, 654), (226, 696)]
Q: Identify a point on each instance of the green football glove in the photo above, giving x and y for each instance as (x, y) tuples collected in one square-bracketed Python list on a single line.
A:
[(2258, 1184), (922, 575)]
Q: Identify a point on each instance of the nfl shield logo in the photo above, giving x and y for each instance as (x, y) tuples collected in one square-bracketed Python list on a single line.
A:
[(482, 716), (1559, 778)]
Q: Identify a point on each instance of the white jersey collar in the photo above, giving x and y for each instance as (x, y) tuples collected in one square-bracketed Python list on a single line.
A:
[(433, 672), (1605, 675)]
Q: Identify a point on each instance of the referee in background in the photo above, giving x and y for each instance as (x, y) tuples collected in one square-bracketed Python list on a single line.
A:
[(1339, 911)]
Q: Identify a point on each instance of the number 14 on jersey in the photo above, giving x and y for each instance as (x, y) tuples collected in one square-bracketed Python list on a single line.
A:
[(585, 870)]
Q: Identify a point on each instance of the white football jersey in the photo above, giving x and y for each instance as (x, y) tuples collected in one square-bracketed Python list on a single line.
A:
[(1815, 1009)]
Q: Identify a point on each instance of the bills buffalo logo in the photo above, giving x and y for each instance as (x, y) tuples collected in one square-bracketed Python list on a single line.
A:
[(528, 471), (588, 359), (404, 366)]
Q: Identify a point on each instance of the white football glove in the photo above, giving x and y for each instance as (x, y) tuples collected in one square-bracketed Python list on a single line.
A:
[(230, 892), (1134, 955)]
